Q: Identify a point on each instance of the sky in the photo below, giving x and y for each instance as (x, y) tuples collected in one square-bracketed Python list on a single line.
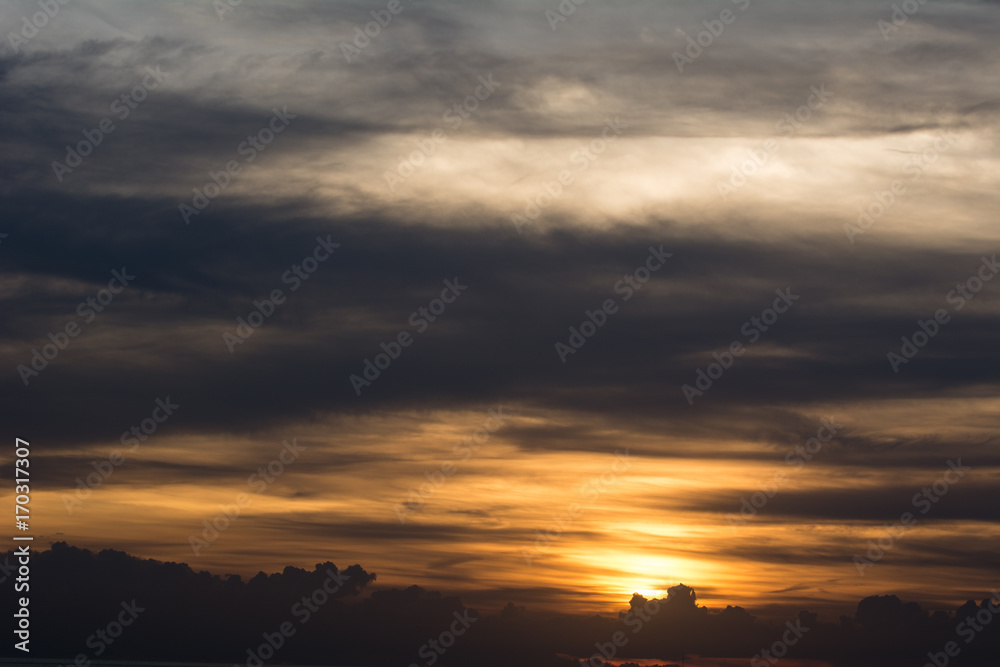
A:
[(517, 303)]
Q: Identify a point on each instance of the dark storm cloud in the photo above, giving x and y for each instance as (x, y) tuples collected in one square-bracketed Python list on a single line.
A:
[(440, 533), (162, 335), (195, 119), (912, 550), (62, 468), (226, 619), (972, 500), (495, 342)]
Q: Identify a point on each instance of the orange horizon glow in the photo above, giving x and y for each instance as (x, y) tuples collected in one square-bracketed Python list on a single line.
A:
[(633, 530)]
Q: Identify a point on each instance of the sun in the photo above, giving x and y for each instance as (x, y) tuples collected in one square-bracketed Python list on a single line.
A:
[(651, 592)]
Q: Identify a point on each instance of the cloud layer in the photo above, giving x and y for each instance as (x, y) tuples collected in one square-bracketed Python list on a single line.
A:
[(804, 150)]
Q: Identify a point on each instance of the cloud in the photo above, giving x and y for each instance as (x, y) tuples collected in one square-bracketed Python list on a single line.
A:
[(656, 185), (328, 614)]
